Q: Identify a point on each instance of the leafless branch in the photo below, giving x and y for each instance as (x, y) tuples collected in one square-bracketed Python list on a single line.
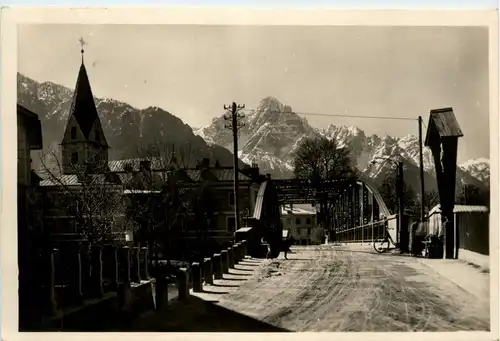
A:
[(91, 197)]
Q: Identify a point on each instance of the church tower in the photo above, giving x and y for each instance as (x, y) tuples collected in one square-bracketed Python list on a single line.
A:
[(84, 143)]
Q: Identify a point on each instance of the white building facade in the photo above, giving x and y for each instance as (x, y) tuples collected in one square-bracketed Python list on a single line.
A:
[(301, 224)]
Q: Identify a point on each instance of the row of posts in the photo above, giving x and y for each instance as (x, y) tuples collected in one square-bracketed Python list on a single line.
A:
[(109, 268), (115, 268), (212, 268)]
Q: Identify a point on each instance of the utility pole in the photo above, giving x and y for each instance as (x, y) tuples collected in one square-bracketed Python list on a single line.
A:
[(421, 156), (400, 205), (235, 125)]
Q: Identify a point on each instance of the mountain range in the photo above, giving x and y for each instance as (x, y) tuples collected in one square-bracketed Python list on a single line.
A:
[(269, 137), (128, 130), (272, 132)]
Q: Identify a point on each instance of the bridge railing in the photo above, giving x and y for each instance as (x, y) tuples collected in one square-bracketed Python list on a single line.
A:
[(365, 233)]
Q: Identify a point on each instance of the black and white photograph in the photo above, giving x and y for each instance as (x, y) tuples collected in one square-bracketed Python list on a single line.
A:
[(239, 177)]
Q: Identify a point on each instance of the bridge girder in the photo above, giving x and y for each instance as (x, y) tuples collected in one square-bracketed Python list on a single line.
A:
[(303, 191)]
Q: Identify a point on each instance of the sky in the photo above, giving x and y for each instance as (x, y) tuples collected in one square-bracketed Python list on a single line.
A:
[(192, 71)]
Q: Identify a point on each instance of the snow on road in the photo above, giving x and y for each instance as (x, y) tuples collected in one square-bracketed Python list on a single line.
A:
[(341, 288)]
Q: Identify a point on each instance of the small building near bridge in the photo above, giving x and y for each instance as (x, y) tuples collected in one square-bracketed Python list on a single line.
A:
[(471, 227), (301, 225)]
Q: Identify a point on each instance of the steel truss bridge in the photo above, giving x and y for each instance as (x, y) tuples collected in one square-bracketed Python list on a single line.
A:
[(356, 206)]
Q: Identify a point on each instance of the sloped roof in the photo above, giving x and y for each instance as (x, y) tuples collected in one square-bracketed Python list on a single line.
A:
[(73, 180), (158, 164), (119, 165), (83, 105), (228, 175), (462, 209), (125, 177), (442, 124), (296, 211)]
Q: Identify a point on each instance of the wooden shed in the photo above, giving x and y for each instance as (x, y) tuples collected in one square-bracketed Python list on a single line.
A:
[(471, 227)]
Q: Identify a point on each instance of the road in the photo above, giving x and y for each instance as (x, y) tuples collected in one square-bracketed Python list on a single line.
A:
[(342, 288)]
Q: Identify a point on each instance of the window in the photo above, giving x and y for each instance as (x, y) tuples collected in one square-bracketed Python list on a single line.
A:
[(297, 221), (97, 136), (74, 158), (231, 224), (73, 227), (73, 133), (308, 221), (231, 199)]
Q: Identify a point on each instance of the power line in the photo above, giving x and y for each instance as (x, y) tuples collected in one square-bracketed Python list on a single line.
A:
[(346, 116)]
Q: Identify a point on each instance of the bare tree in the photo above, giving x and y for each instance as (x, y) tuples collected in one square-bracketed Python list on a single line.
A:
[(170, 201), (167, 155), (431, 199), (318, 159), (389, 192), (91, 196), (473, 195), (199, 213)]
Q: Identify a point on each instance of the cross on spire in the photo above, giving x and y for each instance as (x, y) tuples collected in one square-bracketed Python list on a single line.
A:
[(82, 43)]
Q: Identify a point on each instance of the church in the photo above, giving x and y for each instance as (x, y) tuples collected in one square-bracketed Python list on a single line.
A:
[(89, 184), (83, 186)]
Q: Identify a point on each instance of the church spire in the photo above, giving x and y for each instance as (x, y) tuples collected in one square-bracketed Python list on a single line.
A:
[(84, 143), (83, 107)]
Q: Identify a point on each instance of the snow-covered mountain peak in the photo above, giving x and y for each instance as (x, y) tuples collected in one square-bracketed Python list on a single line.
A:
[(342, 131), (273, 132), (474, 162), (479, 168), (270, 103)]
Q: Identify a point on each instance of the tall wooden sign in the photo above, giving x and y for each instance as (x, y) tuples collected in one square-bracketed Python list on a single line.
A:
[(442, 136)]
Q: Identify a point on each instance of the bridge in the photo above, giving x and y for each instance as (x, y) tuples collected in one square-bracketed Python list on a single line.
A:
[(335, 287), (345, 286), (355, 208)]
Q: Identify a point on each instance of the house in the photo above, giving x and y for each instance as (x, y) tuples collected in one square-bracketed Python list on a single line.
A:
[(205, 193), (471, 227), (29, 138), (301, 224)]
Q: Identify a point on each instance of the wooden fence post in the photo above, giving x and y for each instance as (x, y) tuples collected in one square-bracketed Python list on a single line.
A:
[(236, 251), (225, 261), (230, 257), (197, 281), (110, 267), (135, 268), (208, 271), (217, 265), (124, 264), (182, 283), (245, 250), (161, 292)]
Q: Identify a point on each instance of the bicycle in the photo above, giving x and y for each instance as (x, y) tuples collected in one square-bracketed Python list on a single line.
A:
[(378, 244)]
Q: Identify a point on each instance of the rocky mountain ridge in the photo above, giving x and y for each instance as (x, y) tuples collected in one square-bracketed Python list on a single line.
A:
[(272, 133), (127, 129)]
